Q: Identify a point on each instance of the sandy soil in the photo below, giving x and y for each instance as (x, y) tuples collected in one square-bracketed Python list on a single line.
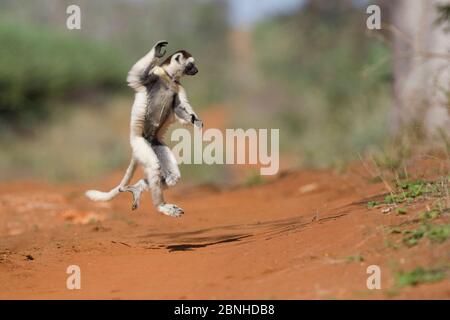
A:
[(291, 237)]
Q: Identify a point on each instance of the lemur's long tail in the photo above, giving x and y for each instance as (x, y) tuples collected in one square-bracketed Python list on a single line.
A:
[(96, 195)]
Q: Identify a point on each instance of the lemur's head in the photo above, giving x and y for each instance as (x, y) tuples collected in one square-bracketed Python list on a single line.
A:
[(180, 63)]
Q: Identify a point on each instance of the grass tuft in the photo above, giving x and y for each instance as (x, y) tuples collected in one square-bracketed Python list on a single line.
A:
[(355, 258), (418, 276), (435, 233)]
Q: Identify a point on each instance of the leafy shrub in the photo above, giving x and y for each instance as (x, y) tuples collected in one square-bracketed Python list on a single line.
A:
[(38, 64)]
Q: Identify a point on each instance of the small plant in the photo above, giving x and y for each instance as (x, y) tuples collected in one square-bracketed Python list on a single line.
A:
[(429, 215), (414, 188), (438, 233), (418, 276), (435, 233), (373, 204), (402, 211), (357, 258), (407, 192), (390, 244), (61, 66), (254, 180), (412, 237), (395, 230)]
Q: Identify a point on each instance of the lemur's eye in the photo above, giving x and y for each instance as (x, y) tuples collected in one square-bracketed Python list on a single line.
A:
[(189, 66)]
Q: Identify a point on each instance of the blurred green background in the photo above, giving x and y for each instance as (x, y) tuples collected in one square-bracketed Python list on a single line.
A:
[(309, 68)]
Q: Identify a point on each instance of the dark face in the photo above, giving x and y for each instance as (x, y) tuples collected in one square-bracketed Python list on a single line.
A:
[(190, 69)]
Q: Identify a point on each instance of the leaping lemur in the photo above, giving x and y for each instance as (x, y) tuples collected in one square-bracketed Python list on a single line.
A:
[(159, 101)]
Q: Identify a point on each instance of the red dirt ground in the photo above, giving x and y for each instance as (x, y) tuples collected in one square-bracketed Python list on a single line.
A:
[(288, 238)]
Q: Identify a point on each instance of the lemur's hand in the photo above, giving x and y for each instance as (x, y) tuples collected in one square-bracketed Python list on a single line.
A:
[(196, 121), (159, 48)]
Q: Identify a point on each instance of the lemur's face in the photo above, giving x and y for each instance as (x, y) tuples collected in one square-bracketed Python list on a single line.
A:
[(182, 63), (190, 69)]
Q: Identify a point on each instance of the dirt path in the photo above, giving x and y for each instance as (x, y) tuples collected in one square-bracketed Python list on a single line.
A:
[(307, 234)]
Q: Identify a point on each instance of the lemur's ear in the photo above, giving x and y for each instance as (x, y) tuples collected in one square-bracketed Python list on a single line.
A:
[(177, 57)]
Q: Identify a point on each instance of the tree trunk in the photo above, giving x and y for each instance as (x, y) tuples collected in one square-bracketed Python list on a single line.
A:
[(421, 64)]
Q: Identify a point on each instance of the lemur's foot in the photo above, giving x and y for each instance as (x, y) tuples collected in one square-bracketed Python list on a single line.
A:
[(136, 190), (171, 179), (170, 210)]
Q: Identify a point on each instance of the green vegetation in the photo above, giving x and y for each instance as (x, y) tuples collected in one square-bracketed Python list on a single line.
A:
[(435, 232), (425, 225), (418, 276), (64, 104), (438, 233), (412, 237), (254, 180), (330, 81), (429, 215), (407, 192), (425, 228), (373, 204), (314, 73), (64, 148), (357, 258), (39, 65)]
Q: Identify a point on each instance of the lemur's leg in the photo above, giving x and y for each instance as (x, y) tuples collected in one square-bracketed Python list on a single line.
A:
[(169, 166), (136, 190), (170, 174), (147, 157)]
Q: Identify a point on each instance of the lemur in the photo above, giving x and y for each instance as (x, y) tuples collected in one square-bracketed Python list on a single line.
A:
[(159, 101)]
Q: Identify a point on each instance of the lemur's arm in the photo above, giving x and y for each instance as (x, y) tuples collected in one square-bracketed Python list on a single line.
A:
[(183, 110), (139, 72)]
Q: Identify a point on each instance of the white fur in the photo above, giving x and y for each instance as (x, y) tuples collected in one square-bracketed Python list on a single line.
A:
[(171, 210), (134, 75), (96, 195)]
